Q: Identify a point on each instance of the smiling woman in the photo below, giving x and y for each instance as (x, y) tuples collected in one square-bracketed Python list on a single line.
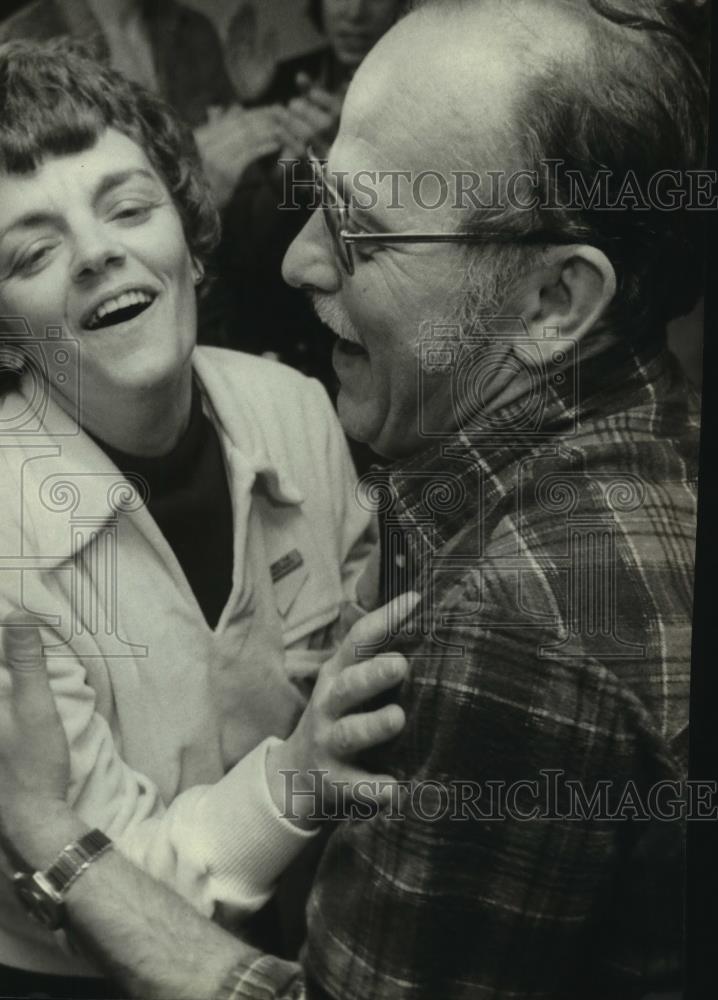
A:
[(94, 241), (179, 522)]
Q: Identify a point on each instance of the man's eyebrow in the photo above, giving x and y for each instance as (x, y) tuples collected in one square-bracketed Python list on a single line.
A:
[(108, 183)]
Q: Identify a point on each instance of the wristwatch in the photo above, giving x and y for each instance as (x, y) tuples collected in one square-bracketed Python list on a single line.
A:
[(43, 893)]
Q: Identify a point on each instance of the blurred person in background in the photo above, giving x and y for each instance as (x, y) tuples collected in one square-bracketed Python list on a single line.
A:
[(270, 316)]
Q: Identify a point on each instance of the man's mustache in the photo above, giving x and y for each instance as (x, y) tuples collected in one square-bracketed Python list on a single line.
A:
[(331, 312)]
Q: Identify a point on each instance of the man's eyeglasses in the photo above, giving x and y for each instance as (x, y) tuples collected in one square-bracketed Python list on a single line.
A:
[(336, 218)]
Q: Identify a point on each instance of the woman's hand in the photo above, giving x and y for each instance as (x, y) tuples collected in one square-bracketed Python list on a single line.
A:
[(314, 770), (34, 755)]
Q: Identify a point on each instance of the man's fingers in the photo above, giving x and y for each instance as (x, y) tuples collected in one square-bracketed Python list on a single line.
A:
[(26, 660), (354, 733), (377, 627), (360, 682), (324, 100), (23, 646), (309, 115), (303, 81)]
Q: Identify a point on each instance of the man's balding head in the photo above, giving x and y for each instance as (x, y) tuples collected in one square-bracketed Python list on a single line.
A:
[(501, 88), (600, 85)]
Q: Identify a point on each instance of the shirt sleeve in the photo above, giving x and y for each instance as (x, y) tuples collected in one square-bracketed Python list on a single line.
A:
[(263, 978), (488, 876), (221, 845)]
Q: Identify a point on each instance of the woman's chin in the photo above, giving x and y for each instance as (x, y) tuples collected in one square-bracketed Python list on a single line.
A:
[(142, 372)]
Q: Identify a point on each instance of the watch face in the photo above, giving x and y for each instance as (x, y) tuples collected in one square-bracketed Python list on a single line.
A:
[(37, 903)]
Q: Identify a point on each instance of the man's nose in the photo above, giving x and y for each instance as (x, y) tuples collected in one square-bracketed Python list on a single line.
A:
[(96, 250), (310, 261)]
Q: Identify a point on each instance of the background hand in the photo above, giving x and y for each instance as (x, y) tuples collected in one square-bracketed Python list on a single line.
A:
[(313, 118), (233, 139)]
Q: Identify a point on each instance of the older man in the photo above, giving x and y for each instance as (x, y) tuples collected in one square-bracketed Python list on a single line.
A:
[(505, 348)]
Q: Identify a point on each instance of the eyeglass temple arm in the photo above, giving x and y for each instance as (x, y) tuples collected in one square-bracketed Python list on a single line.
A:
[(540, 236)]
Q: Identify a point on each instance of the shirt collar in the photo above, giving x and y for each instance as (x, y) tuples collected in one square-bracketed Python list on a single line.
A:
[(427, 492)]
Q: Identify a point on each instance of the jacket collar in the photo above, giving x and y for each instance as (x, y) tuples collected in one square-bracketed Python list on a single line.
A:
[(70, 487), (240, 429)]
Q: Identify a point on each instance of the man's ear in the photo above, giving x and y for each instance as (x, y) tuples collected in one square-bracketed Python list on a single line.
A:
[(570, 291)]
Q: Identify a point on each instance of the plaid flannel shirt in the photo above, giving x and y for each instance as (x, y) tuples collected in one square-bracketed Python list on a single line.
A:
[(547, 698), (552, 654)]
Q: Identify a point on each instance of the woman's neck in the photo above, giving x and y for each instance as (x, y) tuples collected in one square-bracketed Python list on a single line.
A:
[(144, 422)]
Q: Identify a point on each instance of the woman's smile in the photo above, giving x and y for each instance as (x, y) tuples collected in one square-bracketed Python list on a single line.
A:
[(119, 307), (92, 243)]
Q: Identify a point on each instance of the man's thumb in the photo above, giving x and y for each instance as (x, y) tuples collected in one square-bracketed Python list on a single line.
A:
[(23, 649)]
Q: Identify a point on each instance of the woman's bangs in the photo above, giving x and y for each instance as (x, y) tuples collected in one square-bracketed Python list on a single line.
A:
[(59, 130)]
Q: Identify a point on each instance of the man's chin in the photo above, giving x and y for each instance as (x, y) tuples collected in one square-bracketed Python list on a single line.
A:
[(361, 422), (356, 417)]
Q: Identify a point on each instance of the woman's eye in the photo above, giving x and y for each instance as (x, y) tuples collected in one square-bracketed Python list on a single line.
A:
[(33, 260), (134, 212)]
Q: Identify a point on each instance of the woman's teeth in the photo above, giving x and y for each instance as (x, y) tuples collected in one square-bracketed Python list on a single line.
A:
[(132, 303)]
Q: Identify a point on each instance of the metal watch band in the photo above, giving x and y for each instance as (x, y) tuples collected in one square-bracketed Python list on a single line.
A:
[(74, 859)]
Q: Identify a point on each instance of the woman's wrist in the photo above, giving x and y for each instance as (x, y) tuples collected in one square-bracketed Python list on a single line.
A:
[(36, 830), (284, 779)]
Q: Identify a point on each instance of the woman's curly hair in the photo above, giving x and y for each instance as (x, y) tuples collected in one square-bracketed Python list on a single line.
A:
[(57, 99)]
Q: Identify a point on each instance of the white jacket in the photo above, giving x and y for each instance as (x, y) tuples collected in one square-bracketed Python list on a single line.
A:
[(167, 719)]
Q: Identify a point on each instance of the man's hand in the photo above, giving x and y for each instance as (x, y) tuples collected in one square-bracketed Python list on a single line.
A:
[(320, 754), (231, 140), (34, 755)]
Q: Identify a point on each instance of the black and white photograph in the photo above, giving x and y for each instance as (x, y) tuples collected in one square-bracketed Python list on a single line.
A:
[(356, 614)]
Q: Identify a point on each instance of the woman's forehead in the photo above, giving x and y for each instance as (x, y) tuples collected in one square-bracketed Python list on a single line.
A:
[(59, 182), (113, 155)]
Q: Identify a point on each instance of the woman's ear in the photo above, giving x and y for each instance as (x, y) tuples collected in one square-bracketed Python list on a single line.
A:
[(197, 271), (570, 291)]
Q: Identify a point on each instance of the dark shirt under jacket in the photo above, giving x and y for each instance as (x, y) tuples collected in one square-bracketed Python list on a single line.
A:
[(190, 501)]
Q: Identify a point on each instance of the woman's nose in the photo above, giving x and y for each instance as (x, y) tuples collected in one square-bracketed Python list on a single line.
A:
[(310, 262), (95, 251)]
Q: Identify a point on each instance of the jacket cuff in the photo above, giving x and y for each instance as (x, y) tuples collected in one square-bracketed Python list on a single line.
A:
[(247, 842)]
